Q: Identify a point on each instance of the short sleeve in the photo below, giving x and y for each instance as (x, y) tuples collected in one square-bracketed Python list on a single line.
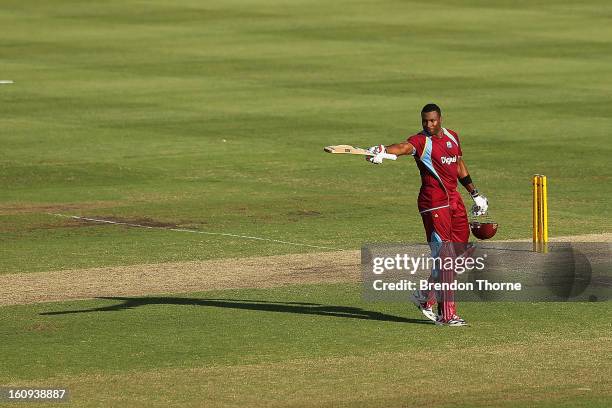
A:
[(418, 142)]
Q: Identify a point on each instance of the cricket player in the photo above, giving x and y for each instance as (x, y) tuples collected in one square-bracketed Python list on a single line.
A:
[(438, 155)]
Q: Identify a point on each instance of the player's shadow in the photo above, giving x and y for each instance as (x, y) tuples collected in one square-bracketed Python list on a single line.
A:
[(246, 304)]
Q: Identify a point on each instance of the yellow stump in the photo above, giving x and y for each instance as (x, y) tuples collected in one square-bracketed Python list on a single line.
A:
[(540, 213)]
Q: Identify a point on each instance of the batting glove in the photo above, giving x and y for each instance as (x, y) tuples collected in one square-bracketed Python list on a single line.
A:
[(481, 204), (378, 152)]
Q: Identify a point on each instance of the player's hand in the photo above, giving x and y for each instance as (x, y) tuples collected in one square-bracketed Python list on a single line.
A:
[(378, 152), (481, 205)]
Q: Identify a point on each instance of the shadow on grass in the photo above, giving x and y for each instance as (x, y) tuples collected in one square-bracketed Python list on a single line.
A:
[(245, 304)]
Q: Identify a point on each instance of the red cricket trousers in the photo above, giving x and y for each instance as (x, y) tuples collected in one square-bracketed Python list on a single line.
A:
[(448, 232)]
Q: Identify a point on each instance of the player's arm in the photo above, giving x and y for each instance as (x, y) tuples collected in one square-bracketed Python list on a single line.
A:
[(464, 176), (481, 204), (398, 149)]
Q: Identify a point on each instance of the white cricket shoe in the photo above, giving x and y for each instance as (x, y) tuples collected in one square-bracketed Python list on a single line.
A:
[(422, 306), (454, 321)]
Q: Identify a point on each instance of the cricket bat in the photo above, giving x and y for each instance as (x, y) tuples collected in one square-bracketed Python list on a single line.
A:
[(348, 149)]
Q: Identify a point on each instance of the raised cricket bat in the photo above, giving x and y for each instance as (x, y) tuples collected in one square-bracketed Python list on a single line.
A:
[(348, 149)]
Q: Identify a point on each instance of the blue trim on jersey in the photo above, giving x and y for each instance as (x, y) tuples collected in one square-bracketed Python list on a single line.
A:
[(426, 159)]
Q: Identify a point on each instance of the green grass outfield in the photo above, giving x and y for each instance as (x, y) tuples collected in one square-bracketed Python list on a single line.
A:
[(311, 345), (211, 115), (122, 108)]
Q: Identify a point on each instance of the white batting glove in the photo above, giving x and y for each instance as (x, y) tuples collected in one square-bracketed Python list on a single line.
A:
[(378, 152), (481, 204)]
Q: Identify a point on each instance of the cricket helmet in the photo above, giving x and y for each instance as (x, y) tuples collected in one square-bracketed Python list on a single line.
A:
[(483, 230)]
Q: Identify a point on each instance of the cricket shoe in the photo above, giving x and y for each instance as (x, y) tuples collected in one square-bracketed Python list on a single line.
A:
[(453, 321), (422, 306)]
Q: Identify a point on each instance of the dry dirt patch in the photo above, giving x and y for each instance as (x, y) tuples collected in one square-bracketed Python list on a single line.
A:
[(184, 277), (180, 277)]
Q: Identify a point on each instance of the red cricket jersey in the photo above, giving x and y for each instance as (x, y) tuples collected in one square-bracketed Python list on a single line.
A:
[(436, 157)]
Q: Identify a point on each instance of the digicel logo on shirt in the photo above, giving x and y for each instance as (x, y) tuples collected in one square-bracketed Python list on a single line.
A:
[(448, 160)]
